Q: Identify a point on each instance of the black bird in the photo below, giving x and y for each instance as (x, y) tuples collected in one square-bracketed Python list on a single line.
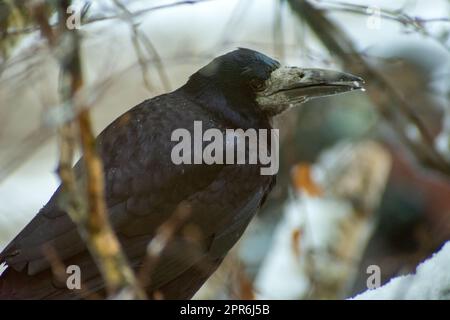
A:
[(241, 89)]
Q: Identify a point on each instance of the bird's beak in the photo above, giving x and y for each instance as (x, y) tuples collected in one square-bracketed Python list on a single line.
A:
[(290, 86)]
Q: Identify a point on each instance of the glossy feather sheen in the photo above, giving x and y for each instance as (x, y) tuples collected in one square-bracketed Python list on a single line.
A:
[(144, 187)]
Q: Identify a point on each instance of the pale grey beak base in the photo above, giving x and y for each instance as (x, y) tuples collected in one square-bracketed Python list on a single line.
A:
[(291, 86)]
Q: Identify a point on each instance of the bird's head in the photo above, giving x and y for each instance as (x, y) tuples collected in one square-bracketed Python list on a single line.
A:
[(246, 75)]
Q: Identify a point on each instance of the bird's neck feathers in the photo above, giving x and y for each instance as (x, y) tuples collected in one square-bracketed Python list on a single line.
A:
[(233, 106)]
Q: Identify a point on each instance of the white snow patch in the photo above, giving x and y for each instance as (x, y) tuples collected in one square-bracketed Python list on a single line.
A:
[(431, 281), (283, 274)]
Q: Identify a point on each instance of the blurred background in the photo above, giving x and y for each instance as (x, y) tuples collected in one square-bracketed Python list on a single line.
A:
[(364, 178)]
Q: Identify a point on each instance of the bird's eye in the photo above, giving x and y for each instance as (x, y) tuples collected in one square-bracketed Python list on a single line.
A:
[(257, 84)]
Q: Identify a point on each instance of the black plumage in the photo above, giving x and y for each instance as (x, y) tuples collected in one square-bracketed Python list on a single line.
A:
[(242, 89), (143, 188)]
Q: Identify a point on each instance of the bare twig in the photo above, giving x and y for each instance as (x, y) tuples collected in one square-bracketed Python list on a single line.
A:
[(100, 237), (278, 34), (417, 24), (59, 271), (163, 237), (93, 19), (90, 216), (138, 39), (233, 22), (395, 15)]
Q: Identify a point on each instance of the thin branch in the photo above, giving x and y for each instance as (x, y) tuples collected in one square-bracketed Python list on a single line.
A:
[(103, 243), (93, 19), (163, 237), (59, 271), (233, 22), (139, 38), (417, 24), (395, 15), (278, 34), (90, 216)]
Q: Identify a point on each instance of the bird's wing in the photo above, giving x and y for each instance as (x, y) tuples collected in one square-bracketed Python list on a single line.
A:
[(143, 189), (141, 181)]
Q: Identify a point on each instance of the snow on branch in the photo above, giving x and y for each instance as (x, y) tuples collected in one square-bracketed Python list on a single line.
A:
[(431, 281)]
